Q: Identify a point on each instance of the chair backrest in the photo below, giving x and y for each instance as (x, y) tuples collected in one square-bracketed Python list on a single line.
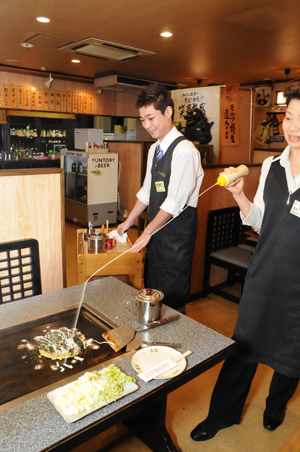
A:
[(19, 270), (224, 229)]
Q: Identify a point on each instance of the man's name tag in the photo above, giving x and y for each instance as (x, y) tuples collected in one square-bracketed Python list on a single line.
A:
[(295, 210), (160, 186)]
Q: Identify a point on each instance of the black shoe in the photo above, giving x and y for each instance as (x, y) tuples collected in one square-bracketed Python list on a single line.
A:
[(204, 432), (270, 423)]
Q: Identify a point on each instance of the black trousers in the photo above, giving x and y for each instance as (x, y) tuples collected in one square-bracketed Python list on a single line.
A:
[(232, 388)]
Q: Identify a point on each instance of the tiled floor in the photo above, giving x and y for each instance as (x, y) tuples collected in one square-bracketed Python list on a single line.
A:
[(188, 405)]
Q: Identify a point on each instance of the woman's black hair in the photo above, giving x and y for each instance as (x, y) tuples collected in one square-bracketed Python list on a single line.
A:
[(292, 92), (157, 96)]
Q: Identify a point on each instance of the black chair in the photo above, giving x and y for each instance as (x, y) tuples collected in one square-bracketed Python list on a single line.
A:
[(19, 270), (225, 248)]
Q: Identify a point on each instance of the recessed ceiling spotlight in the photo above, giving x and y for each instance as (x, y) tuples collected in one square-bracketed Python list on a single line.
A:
[(75, 61), (166, 34), (44, 20), (28, 45)]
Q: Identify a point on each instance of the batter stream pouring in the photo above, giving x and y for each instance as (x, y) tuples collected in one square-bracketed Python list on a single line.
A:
[(224, 179)]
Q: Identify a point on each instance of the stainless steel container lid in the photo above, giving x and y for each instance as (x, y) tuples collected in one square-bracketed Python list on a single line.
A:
[(151, 296), (96, 236)]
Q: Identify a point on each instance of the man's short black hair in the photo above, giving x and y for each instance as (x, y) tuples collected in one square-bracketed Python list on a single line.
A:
[(157, 96)]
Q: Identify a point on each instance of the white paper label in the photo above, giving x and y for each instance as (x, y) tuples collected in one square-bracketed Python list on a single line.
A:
[(295, 210), (157, 370)]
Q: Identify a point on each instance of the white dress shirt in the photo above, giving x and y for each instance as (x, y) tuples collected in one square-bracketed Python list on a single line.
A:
[(186, 175), (255, 216)]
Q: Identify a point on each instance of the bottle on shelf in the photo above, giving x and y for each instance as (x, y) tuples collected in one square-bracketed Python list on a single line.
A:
[(28, 131)]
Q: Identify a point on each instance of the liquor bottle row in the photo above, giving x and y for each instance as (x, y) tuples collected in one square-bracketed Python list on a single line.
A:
[(30, 132), (22, 151)]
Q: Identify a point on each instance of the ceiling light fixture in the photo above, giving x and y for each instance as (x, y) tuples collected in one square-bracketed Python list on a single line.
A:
[(75, 61), (44, 20), (27, 45), (166, 34), (48, 82)]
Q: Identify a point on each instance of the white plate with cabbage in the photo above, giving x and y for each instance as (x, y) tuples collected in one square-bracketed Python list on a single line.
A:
[(91, 391)]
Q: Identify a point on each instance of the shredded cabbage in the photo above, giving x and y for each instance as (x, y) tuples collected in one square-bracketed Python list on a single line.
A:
[(93, 388)]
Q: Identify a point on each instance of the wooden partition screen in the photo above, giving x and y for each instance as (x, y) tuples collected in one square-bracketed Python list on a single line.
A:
[(32, 206)]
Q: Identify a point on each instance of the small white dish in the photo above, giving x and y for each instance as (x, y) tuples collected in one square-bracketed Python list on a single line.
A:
[(151, 356)]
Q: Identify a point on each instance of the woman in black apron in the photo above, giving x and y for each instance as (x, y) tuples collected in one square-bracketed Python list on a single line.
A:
[(268, 325)]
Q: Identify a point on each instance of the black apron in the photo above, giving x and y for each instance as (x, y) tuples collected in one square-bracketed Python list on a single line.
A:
[(170, 251), (268, 326)]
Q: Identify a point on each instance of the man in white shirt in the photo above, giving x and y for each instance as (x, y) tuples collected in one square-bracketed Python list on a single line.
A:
[(171, 188)]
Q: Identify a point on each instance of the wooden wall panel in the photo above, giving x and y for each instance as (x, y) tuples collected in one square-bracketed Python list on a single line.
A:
[(32, 203), (109, 103), (260, 156), (131, 157), (216, 198)]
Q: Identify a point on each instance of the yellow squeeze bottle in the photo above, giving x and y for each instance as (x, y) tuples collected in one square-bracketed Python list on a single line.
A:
[(225, 179)]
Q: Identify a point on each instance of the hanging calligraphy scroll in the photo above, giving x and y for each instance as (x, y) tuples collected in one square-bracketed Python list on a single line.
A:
[(74, 107), (6, 95), (57, 100), (90, 107), (52, 100), (33, 98), (69, 102), (39, 98), (20, 97), (85, 104), (26, 97), (229, 115), (46, 99), (80, 102), (63, 101), (13, 96)]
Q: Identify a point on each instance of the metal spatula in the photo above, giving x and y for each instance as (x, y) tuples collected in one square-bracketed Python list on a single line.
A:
[(119, 337)]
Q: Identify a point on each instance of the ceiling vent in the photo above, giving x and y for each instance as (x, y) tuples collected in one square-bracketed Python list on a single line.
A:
[(132, 84), (95, 47)]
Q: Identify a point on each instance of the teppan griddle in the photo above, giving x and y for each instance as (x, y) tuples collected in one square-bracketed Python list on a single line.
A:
[(25, 373)]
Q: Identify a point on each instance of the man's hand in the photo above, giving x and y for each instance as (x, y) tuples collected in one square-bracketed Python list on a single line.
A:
[(142, 241), (123, 227)]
